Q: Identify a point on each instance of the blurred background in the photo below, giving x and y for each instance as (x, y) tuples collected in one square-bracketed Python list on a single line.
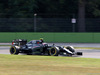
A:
[(49, 15)]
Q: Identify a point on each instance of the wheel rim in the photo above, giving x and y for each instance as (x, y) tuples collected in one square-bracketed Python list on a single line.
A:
[(52, 51)]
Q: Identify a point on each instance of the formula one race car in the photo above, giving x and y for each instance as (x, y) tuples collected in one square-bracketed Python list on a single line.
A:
[(37, 47)]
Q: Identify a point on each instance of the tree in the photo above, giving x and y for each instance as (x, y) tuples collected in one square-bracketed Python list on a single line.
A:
[(93, 8), (51, 9), (81, 16)]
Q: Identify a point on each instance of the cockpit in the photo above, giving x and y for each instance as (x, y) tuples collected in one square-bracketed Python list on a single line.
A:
[(34, 42)]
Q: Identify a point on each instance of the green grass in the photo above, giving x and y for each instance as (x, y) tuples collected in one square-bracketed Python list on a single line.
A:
[(51, 37), (47, 65)]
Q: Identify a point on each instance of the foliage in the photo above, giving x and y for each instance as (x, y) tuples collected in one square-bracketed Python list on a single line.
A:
[(44, 9), (26, 9), (23, 8)]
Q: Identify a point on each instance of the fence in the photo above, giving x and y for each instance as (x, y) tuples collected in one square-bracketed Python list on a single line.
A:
[(46, 25)]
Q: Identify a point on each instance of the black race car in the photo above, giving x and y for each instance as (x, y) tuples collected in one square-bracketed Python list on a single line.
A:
[(37, 47)]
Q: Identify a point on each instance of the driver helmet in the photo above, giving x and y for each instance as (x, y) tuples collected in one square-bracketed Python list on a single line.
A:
[(41, 40)]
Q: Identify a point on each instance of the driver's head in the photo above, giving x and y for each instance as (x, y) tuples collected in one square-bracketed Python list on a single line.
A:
[(41, 38)]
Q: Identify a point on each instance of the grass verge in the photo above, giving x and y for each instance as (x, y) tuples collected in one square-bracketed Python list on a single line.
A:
[(47, 65)]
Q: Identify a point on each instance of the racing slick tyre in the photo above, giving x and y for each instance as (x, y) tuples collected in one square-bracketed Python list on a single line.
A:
[(70, 48), (14, 50), (54, 51)]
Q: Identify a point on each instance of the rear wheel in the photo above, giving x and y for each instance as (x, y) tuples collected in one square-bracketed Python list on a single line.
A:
[(14, 50), (54, 51)]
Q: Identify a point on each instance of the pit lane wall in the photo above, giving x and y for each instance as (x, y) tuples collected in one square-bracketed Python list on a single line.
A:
[(52, 37)]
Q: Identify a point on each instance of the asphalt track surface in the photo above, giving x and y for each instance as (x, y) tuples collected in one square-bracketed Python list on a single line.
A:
[(89, 53)]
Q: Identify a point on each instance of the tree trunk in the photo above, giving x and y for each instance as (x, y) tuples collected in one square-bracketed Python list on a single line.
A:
[(81, 16)]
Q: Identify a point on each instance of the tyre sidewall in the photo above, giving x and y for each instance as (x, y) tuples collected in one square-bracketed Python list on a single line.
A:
[(56, 51), (14, 50)]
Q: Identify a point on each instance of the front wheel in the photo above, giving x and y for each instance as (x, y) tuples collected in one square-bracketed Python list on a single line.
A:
[(14, 50), (54, 51)]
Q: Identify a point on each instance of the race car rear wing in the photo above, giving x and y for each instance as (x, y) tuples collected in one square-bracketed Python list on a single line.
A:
[(19, 42)]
